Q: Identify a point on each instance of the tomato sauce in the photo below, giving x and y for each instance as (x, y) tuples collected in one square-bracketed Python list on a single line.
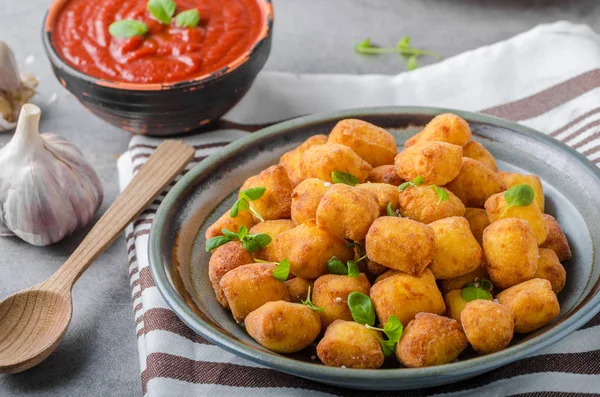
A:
[(227, 30)]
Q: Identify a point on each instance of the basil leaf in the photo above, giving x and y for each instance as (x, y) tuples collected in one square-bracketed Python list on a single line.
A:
[(361, 307), (282, 271), (254, 193), (162, 10), (127, 28), (485, 284), (353, 269), (472, 293), (215, 242), (390, 210), (393, 328), (187, 19), (404, 42), (229, 234), (441, 193), (243, 232), (336, 266), (412, 63), (519, 196), (342, 177), (387, 346), (250, 245), (419, 180), (262, 239), (235, 209)]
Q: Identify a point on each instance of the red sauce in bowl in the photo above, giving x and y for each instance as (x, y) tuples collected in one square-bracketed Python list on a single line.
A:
[(227, 30)]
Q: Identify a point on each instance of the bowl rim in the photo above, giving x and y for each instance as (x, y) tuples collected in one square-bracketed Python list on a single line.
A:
[(581, 315), (57, 5)]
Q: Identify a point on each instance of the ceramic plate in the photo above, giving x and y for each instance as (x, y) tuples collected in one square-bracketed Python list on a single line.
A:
[(179, 264)]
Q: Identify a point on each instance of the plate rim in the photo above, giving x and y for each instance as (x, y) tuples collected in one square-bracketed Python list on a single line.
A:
[(332, 375)]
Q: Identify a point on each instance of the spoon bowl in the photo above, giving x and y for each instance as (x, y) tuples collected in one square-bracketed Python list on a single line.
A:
[(34, 321)]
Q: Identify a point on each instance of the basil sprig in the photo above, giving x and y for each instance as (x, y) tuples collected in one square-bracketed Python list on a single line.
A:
[(243, 203), (282, 271), (162, 10), (250, 242), (308, 302), (479, 289), (518, 196), (342, 177), (187, 19), (127, 28), (419, 180), (363, 312), (350, 268)]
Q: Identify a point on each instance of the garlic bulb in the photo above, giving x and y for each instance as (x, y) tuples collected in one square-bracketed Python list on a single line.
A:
[(15, 89), (47, 190)]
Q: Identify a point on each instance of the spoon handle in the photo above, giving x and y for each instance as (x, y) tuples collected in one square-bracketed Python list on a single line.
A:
[(169, 159)]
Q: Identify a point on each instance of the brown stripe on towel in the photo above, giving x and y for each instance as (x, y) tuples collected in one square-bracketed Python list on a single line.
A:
[(546, 100)]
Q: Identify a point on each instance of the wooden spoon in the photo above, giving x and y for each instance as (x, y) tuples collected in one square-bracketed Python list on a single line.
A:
[(34, 321)]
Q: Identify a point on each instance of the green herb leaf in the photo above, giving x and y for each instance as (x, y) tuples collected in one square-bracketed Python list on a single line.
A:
[(255, 242), (127, 28), (404, 43), (518, 196), (353, 269), (282, 271), (342, 177), (308, 302), (187, 19), (240, 205), (363, 46), (361, 307), (471, 293), (162, 10), (393, 328), (387, 346), (336, 266), (250, 245), (390, 209), (242, 232), (215, 242), (254, 193), (419, 180), (412, 63), (263, 239), (441, 193)]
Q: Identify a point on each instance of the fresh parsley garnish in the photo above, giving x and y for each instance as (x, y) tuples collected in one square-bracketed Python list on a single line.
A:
[(308, 302), (245, 198), (403, 48), (282, 271), (250, 242), (342, 177), (419, 180), (127, 28)]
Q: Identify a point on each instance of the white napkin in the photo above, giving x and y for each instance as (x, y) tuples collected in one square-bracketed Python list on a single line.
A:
[(546, 78)]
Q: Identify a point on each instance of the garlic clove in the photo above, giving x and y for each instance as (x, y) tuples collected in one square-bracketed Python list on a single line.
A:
[(15, 89), (47, 189)]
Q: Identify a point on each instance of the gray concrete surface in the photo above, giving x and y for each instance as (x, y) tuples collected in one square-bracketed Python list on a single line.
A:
[(99, 354)]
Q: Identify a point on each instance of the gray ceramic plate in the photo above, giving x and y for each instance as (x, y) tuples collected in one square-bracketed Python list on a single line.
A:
[(179, 263)]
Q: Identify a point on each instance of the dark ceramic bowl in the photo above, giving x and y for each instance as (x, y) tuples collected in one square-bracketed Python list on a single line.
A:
[(179, 263), (163, 109)]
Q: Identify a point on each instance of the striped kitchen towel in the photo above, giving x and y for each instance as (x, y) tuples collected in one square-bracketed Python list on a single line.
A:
[(547, 78)]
